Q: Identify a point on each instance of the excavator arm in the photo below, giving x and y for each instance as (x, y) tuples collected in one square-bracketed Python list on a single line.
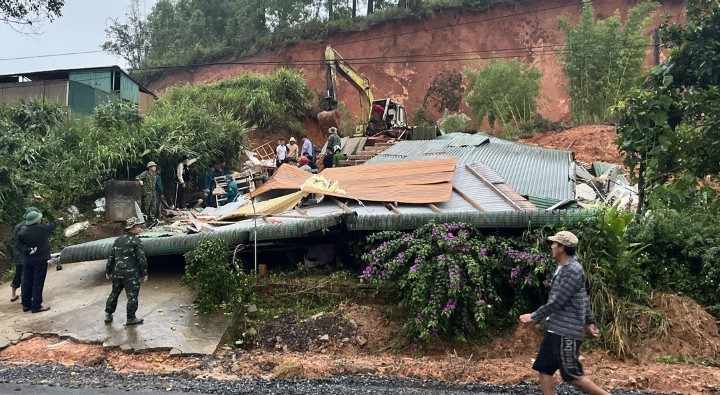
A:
[(336, 64)]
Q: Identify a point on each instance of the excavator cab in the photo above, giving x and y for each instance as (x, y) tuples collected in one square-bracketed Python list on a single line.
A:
[(387, 116)]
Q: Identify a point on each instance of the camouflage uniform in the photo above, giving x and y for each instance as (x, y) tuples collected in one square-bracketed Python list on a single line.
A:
[(128, 266), (149, 194)]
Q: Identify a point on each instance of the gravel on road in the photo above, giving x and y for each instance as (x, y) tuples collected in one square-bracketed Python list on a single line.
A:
[(83, 378)]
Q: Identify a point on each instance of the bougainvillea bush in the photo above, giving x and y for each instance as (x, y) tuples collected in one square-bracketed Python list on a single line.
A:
[(454, 281)]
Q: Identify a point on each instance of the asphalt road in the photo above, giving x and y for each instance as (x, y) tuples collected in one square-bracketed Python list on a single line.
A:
[(55, 380)]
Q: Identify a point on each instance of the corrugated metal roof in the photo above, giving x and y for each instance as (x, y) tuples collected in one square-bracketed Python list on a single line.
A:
[(528, 169), (464, 139), (469, 185)]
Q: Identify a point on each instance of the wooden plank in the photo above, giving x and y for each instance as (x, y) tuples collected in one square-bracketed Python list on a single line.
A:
[(494, 188), (342, 205), (392, 207), (434, 208), (468, 199)]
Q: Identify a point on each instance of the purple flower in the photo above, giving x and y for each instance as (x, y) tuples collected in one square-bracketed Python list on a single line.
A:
[(441, 257), (449, 306), (483, 252), (449, 236), (414, 268), (373, 251), (418, 261)]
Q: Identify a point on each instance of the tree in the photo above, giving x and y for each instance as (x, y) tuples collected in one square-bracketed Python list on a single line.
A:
[(29, 12), (129, 40), (446, 91), (505, 91), (603, 59), (669, 128)]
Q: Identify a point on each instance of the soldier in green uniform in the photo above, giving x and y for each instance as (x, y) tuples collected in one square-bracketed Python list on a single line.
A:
[(18, 257), (148, 181), (126, 267)]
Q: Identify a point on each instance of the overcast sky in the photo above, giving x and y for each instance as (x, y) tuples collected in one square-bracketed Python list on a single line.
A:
[(81, 28)]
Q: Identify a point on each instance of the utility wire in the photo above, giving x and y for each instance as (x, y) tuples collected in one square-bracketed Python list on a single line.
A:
[(50, 55)]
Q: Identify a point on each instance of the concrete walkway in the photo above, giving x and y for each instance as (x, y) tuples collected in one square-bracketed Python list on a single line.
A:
[(76, 296)]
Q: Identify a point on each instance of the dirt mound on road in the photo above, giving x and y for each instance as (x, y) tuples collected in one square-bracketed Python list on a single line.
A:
[(590, 143)]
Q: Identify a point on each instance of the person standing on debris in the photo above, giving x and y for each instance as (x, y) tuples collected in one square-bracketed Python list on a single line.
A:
[(17, 256), (231, 189), (307, 147), (159, 190), (338, 157), (33, 241), (182, 176), (280, 152), (148, 181), (292, 150), (207, 184), (126, 267), (567, 314), (332, 141)]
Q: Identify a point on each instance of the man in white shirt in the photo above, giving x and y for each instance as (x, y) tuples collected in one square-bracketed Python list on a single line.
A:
[(280, 152), (182, 174)]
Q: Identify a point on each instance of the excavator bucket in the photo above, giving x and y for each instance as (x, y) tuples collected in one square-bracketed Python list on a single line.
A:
[(326, 119)]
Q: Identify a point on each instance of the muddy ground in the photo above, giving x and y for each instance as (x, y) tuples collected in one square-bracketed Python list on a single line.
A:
[(355, 340)]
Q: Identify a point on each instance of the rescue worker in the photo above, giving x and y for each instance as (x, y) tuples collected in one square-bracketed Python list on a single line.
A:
[(338, 157), (159, 190), (332, 141), (126, 268), (18, 256), (182, 177), (148, 181), (231, 189), (33, 240)]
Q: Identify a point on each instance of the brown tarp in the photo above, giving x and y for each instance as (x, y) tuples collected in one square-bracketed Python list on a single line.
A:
[(418, 182)]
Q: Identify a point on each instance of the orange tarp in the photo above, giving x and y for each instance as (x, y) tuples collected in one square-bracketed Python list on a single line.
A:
[(420, 181)]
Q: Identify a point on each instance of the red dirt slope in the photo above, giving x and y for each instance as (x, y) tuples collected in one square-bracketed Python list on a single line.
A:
[(530, 29)]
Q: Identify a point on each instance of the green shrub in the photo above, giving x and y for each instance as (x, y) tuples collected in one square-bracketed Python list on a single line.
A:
[(504, 91), (454, 281), (619, 292), (598, 82), (451, 123), (116, 113), (217, 281)]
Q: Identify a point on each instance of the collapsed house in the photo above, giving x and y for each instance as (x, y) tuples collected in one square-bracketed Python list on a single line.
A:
[(478, 179)]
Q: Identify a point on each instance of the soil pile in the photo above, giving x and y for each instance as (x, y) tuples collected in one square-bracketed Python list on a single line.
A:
[(326, 331), (688, 333), (590, 143)]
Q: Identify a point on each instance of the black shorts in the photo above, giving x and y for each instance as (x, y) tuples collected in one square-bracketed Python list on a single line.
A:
[(558, 352)]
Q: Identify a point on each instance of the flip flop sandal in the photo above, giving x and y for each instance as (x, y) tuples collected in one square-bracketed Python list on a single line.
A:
[(14, 298)]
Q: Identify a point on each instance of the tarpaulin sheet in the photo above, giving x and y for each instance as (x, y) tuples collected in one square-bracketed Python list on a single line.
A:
[(278, 205)]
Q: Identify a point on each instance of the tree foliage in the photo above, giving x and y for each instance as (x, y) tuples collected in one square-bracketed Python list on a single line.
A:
[(28, 12), (271, 102), (505, 91), (445, 91), (604, 59), (670, 127), (130, 39), (182, 32), (52, 160)]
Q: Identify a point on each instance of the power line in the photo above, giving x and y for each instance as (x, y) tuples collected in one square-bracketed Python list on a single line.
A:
[(537, 51), (50, 55)]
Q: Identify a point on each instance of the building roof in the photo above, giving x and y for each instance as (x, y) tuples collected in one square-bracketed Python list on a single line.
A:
[(63, 74), (531, 171)]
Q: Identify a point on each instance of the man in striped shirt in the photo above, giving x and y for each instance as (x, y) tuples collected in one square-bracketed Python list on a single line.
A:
[(567, 314)]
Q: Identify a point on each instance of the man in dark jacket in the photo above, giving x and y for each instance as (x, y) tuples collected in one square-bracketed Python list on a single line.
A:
[(126, 267), (18, 256), (567, 315), (34, 243)]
